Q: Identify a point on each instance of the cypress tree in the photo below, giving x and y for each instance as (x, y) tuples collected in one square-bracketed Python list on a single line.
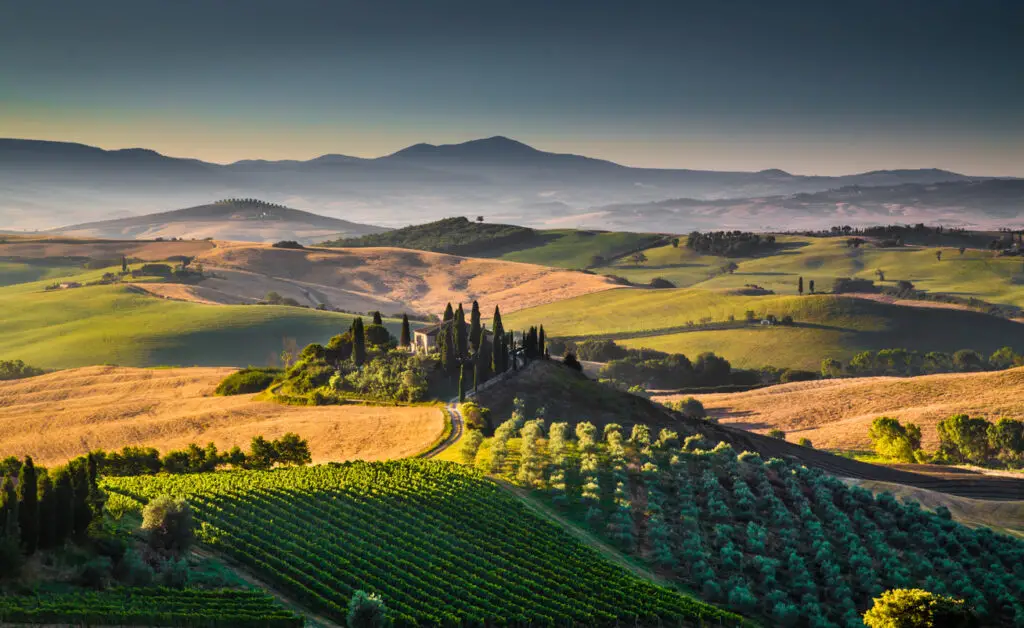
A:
[(406, 339), (9, 512), (377, 320), (512, 350), (461, 335), (358, 341), (28, 506), (800, 285), (540, 343), (474, 327), (498, 349), (82, 511), (47, 513), (63, 505), (449, 313), (482, 363), (462, 387)]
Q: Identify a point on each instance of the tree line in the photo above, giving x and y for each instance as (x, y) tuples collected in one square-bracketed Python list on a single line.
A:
[(907, 363), (728, 243), (962, 440)]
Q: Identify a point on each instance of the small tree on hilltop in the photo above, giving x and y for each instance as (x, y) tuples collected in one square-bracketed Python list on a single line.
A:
[(916, 608), (639, 257), (169, 524), (366, 611), (377, 319)]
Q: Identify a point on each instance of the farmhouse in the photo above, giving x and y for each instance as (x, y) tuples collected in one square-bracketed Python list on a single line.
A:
[(424, 339)]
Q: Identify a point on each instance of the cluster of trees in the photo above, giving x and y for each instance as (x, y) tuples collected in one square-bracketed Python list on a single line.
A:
[(458, 236), (656, 370), (288, 450), (16, 369), (962, 440), (287, 244), (250, 201), (729, 243), (905, 362), (41, 508)]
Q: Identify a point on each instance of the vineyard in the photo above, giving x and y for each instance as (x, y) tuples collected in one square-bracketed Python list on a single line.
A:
[(150, 607), (773, 540), (439, 543)]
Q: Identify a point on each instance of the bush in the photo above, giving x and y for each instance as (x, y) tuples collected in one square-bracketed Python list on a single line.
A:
[(169, 524), (794, 375), (916, 608), (16, 369), (571, 361), (474, 416), (287, 244), (248, 380), (660, 283), (777, 433), (805, 442), (95, 574), (845, 284), (159, 270), (895, 441), (366, 611), (599, 351)]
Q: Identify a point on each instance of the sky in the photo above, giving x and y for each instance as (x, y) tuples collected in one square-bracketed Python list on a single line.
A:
[(809, 87)]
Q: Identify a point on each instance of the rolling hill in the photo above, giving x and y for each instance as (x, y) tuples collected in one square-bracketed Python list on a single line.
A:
[(59, 416), (824, 325), (48, 184), (246, 220), (836, 413)]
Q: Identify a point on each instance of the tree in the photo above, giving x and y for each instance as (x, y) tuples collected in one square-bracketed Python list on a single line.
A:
[(168, 523), (916, 608), (378, 336), (893, 440), (462, 382), (1006, 438), (571, 361), (805, 442), (366, 611), (675, 243), (406, 338), (938, 255), (461, 335), (63, 504), (541, 352), (10, 535), (638, 257), (292, 450), (262, 454), (964, 439), (880, 274), (474, 327), (481, 359), (1005, 358), (800, 286), (967, 360), (124, 264), (358, 341), (47, 514), (28, 506), (377, 320), (811, 286), (449, 313), (498, 350), (777, 433), (82, 509)]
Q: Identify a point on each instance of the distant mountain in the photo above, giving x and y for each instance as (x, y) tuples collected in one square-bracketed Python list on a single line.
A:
[(45, 184), (986, 204), (246, 220)]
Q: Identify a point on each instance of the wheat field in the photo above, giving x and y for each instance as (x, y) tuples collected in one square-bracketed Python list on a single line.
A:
[(61, 415)]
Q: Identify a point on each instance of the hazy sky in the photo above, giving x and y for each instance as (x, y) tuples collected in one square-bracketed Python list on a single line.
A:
[(811, 87)]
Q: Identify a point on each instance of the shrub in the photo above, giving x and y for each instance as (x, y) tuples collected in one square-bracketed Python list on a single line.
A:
[(169, 524), (474, 416), (893, 440), (159, 270), (571, 361), (916, 608), (366, 611), (777, 433), (805, 442), (287, 244), (16, 369), (248, 380), (845, 284), (660, 283), (599, 351), (794, 375)]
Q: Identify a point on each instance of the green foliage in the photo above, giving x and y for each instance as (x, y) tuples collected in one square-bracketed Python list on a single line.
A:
[(168, 524), (893, 440), (16, 369), (406, 338), (964, 439), (395, 375), (28, 506), (413, 529), (287, 244), (690, 408), (145, 606), (358, 341), (366, 611), (457, 236), (377, 335), (729, 243), (915, 608), (248, 380), (777, 433)]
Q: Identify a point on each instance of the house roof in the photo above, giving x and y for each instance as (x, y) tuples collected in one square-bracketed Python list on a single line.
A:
[(433, 330)]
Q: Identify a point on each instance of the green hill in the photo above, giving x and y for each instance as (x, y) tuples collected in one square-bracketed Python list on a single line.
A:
[(122, 325), (440, 544), (824, 325), (564, 248), (775, 541)]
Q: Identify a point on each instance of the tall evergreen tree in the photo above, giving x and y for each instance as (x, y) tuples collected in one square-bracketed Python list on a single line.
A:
[(406, 339), (541, 352), (461, 335), (445, 348), (124, 264), (28, 506), (377, 320), (81, 509), (482, 363), (9, 528), (512, 350), (358, 341), (800, 285), (47, 510), (474, 327), (498, 353), (462, 384), (449, 313)]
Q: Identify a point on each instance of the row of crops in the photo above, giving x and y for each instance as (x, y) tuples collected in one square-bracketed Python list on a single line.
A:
[(150, 607), (769, 539), (439, 543)]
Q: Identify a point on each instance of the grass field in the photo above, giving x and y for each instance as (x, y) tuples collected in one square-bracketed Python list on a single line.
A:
[(439, 543), (825, 325), (572, 248), (61, 415), (836, 414), (680, 265)]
